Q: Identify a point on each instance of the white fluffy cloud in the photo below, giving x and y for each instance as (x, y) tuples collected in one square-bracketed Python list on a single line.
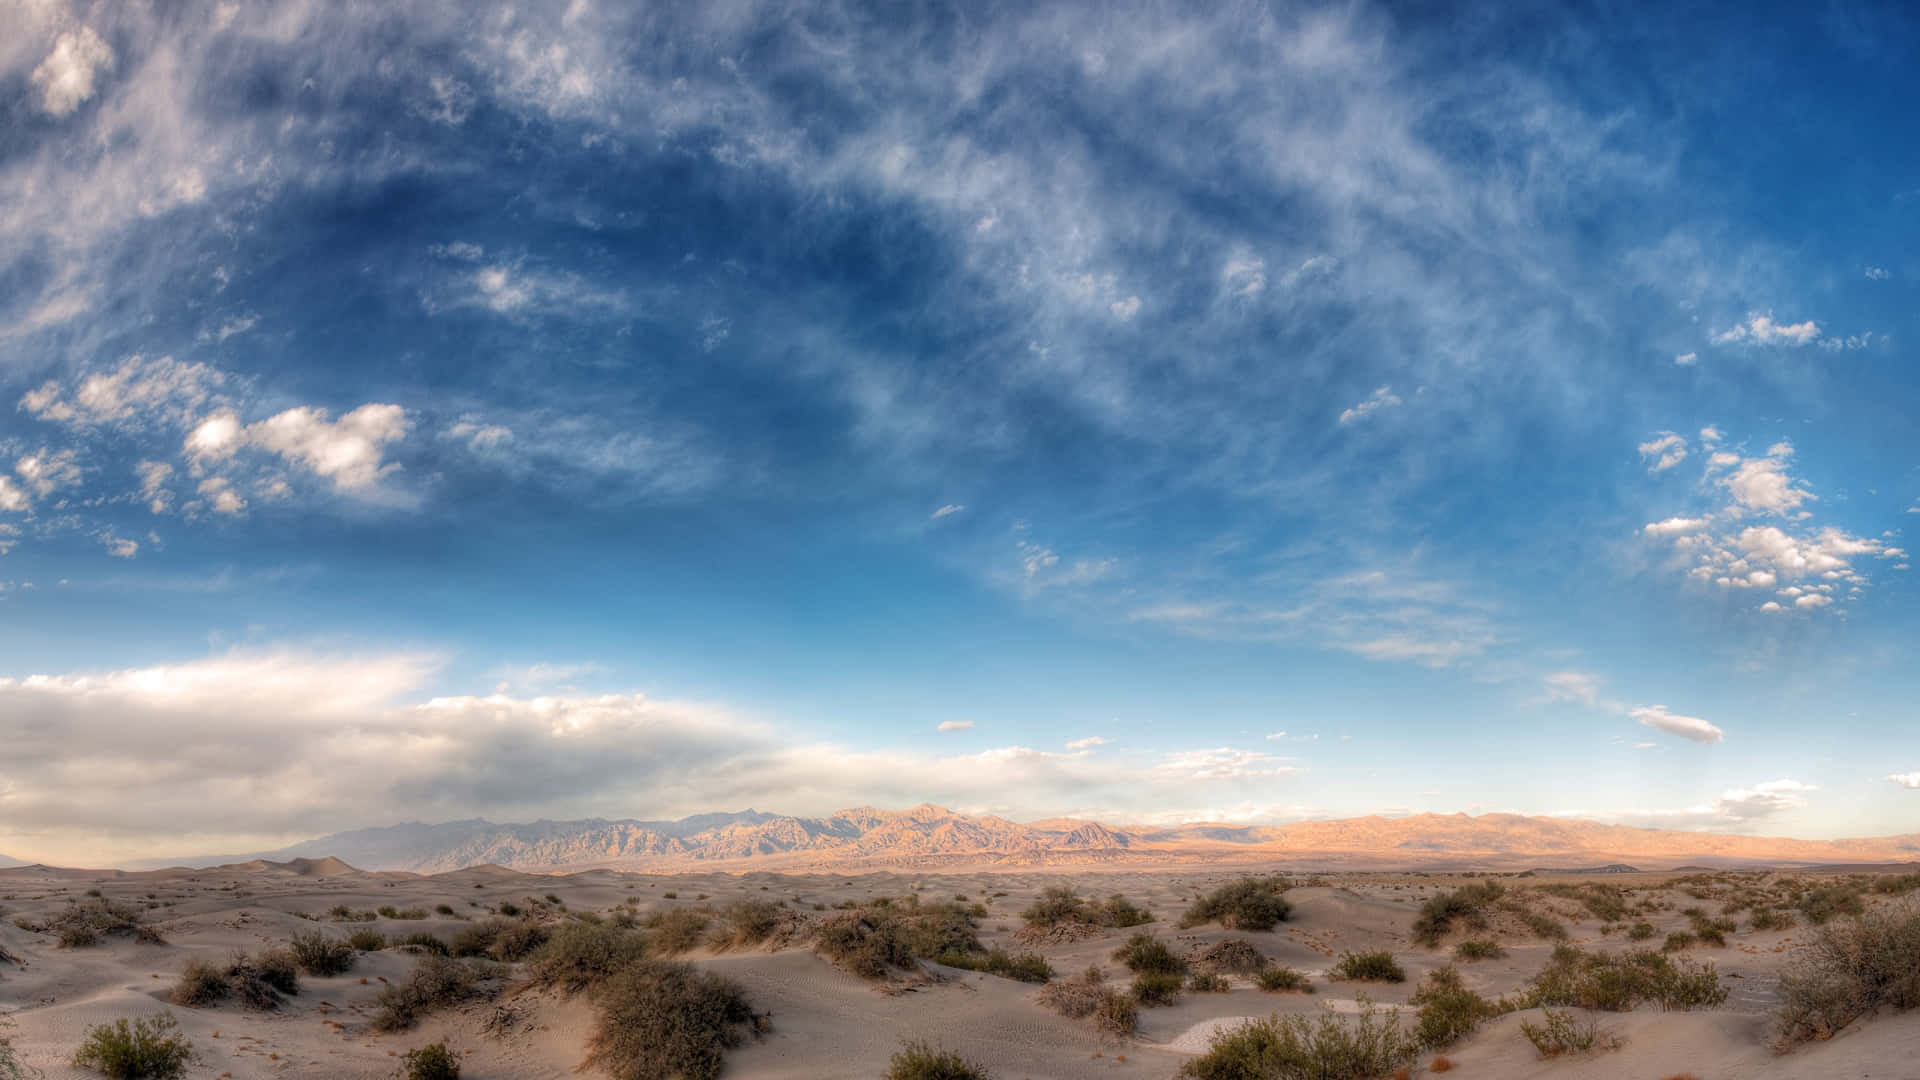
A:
[(1910, 781), (1686, 359), (150, 761), (1687, 727), (66, 77), (1790, 564), (48, 471), (1734, 809), (1761, 329), (1383, 398), (1666, 451), (13, 498), (1088, 743), (347, 451), (955, 725)]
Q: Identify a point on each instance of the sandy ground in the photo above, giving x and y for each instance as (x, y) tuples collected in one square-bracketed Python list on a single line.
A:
[(826, 1023)]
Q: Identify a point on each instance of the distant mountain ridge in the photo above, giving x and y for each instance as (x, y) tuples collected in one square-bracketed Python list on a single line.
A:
[(933, 837)]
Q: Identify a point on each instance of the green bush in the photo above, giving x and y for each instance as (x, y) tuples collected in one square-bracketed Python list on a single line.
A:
[(410, 914), (1025, 967), (1849, 970), (1467, 905), (518, 940), (1824, 903), (476, 939), (660, 1018), (1449, 1011), (1156, 988), (1679, 941), (1299, 1048), (876, 938), (1061, 906), (278, 969), (1250, 903), (201, 984), (1479, 949), (1617, 982), (435, 982), (1641, 931), (1770, 919), (431, 1062), (321, 954), (1560, 1033), (367, 940), (1275, 980), (1145, 954), (85, 923), (1378, 966), (678, 929), (920, 1061), (1206, 982), (748, 922), (424, 943), (581, 955), (150, 1048)]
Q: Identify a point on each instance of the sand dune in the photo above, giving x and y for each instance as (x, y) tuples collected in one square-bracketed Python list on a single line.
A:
[(824, 1021)]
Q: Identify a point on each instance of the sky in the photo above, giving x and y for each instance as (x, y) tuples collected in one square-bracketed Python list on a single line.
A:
[(1156, 413)]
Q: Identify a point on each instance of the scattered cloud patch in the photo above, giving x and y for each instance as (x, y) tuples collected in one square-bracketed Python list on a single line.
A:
[(1875, 273), (955, 725), (1383, 398), (66, 77), (1665, 452), (1761, 329), (1687, 727), (945, 511), (1910, 781), (1089, 742), (1686, 359)]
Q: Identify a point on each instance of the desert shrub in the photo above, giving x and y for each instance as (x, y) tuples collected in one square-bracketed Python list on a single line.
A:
[(1118, 911), (343, 913), (150, 1048), (1679, 941), (1062, 906), (1479, 949), (1250, 903), (1233, 955), (1849, 970), (251, 987), (431, 1062), (1896, 884), (320, 954), (278, 969), (367, 940), (1448, 1010), (1542, 925), (436, 982), (1770, 919), (1145, 954), (920, 1061), (1713, 935), (1206, 982), (1641, 931), (679, 929), (1466, 904), (1025, 967), (1156, 988), (871, 940), (424, 943), (517, 940), (580, 955), (86, 922), (1560, 1033), (201, 984), (660, 1018), (1822, 904), (1275, 980), (443, 909), (390, 912), (748, 922), (476, 939), (1302, 1048), (1377, 966), (1617, 982), (1087, 995)]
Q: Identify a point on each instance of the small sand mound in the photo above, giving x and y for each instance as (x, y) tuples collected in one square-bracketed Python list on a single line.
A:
[(1198, 1039)]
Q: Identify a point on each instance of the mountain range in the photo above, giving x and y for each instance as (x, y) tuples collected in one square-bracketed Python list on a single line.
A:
[(933, 837)]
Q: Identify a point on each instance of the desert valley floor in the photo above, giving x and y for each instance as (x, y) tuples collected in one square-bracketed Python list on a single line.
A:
[(826, 1022)]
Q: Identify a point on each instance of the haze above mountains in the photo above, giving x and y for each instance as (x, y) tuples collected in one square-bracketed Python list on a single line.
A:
[(932, 837)]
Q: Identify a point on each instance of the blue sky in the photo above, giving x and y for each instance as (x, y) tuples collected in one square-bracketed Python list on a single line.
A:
[(1280, 412)]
